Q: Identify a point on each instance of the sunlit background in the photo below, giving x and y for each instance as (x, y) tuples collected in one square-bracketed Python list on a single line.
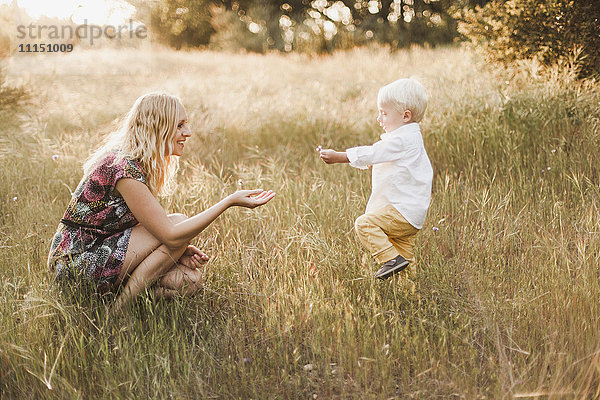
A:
[(99, 12), (505, 296), (502, 31)]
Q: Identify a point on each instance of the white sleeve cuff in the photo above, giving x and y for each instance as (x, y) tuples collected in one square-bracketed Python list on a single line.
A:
[(352, 154)]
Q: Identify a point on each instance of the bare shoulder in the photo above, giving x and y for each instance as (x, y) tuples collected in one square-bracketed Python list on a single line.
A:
[(129, 185)]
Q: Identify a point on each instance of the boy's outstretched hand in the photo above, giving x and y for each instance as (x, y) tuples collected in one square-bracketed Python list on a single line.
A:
[(330, 156), (251, 198)]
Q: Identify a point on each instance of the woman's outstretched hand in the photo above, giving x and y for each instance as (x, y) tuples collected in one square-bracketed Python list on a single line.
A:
[(250, 198)]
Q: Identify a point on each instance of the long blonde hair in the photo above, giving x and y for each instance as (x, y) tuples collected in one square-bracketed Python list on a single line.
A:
[(146, 135)]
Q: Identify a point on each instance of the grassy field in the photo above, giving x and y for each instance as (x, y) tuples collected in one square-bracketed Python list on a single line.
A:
[(505, 302)]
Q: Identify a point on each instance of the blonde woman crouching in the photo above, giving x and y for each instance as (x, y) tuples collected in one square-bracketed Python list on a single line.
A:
[(115, 232)]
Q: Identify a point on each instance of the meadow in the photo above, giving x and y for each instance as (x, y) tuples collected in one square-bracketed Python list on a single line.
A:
[(504, 298)]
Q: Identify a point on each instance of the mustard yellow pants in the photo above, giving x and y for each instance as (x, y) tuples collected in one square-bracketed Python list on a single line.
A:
[(386, 234)]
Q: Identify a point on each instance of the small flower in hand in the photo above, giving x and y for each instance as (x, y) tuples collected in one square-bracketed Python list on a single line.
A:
[(330, 156), (319, 148)]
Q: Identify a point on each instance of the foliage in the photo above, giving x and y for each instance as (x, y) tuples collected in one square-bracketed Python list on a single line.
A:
[(232, 33), (5, 24), (318, 26), (182, 23), (11, 98), (505, 302), (549, 31)]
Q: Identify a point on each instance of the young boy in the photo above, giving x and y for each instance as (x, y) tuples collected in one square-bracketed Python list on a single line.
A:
[(401, 177)]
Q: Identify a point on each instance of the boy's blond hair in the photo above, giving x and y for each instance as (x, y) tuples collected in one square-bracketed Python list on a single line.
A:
[(405, 94)]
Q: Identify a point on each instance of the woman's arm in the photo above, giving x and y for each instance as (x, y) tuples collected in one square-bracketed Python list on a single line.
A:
[(148, 211)]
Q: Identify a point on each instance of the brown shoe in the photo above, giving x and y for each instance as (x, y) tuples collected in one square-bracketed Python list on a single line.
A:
[(391, 267)]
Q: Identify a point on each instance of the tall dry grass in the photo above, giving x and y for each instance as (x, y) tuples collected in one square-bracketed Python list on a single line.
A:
[(505, 297)]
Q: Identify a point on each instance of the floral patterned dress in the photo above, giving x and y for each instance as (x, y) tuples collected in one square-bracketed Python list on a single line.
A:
[(93, 235)]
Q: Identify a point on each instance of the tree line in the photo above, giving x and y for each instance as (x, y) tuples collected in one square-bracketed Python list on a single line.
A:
[(508, 30), (306, 25)]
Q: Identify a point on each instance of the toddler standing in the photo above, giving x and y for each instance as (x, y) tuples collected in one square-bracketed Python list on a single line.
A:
[(401, 177)]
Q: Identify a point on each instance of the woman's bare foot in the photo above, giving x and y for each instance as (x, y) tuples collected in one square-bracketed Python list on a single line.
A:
[(160, 292), (193, 257), (182, 280)]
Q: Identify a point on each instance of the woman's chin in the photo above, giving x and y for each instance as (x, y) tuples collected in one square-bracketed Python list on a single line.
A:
[(178, 150)]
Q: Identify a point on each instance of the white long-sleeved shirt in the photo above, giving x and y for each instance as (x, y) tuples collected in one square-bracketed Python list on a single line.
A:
[(401, 173)]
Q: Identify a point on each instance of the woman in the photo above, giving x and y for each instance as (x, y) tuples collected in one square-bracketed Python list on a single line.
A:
[(115, 232)]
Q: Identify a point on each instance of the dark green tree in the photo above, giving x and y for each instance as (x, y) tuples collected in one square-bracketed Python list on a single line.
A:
[(304, 25), (180, 23), (549, 31), (401, 23)]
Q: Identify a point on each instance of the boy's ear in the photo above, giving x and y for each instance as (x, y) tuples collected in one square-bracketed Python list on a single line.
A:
[(407, 116)]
